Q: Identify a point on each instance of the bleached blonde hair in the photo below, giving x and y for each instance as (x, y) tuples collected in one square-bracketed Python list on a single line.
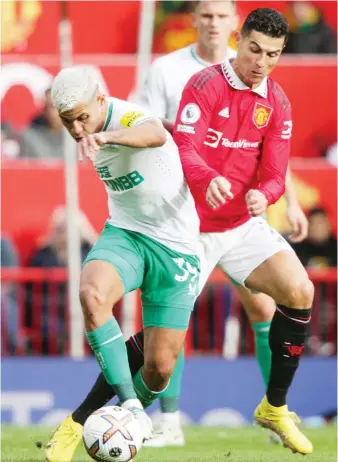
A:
[(72, 86)]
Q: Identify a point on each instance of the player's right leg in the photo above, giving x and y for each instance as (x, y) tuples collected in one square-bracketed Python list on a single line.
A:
[(260, 309), (271, 266), (113, 267), (68, 434)]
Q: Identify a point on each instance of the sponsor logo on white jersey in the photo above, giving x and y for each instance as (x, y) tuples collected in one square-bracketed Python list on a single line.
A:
[(224, 113), (213, 139), (190, 113)]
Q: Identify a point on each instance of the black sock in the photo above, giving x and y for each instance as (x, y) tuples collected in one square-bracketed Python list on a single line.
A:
[(102, 392), (287, 337)]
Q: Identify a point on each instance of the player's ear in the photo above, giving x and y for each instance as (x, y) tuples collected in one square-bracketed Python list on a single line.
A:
[(194, 20), (285, 41), (100, 98), (235, 22), (238, 37)]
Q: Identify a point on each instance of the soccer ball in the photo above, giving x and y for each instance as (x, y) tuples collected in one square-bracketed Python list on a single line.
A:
[(112, 434)]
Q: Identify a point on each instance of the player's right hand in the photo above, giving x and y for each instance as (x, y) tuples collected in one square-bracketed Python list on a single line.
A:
[(89, 145), (219, 190)]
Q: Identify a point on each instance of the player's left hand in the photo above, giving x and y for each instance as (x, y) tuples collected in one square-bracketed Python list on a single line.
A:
[(89, 146), (299, 223), (256, 202)]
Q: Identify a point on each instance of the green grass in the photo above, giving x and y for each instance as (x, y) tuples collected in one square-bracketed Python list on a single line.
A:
[(203, 444)]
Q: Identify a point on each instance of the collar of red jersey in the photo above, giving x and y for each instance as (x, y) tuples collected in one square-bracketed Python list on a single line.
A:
[(233, 80)]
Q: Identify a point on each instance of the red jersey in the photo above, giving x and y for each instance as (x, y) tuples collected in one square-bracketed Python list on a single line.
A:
[(224, 128)]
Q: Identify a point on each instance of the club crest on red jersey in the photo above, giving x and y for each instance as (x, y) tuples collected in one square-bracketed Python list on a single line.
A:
[(261, 115)]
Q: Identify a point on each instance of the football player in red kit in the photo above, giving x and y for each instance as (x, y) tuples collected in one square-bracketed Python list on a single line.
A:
[(233, 132)]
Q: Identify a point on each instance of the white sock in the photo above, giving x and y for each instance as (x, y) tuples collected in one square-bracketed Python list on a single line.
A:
[(171, 419), (130, 403)]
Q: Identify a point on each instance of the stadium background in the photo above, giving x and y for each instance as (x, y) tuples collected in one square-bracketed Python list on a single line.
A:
[(35, 368)]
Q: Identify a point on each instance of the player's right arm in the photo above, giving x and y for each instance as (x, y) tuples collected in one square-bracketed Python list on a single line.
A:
[(191, 126), (131, 126)]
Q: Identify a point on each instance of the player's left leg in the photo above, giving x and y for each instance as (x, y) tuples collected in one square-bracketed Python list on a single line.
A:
[(167, 309), (272, 267), (169, 427), (171, 433)]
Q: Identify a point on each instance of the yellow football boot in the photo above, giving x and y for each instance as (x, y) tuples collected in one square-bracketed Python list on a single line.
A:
[(284, 423), (64, 441)]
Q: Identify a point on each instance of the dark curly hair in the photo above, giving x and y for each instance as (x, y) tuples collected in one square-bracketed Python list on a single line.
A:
[(267, 21)]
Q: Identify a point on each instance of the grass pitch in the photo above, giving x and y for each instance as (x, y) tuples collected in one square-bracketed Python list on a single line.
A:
[(203, 445)]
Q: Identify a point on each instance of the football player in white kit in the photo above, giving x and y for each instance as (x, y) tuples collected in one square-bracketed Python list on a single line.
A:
[(161, 93), (150, 240)]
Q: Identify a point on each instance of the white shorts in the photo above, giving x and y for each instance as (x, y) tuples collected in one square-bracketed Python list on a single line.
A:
[(240, 250)]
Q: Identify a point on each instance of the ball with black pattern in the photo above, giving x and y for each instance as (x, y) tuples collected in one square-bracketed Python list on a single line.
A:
[(115, 452)]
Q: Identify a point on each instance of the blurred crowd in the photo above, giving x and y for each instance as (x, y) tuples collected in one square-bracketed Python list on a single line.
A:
[(309, 31)]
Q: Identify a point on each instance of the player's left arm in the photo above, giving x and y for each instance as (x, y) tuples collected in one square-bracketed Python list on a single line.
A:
[(295, 215), (273, 163)]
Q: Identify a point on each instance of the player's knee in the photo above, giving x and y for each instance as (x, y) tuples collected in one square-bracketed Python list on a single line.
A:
[(301, 294), (92, 300), (161, 368)]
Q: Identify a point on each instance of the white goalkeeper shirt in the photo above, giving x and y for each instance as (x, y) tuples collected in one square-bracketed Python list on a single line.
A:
[(162, 89)]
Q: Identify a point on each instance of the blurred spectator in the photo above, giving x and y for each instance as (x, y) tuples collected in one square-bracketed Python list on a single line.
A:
[(332, 154), (43, 138), (174, 26), (10, 142), (50, 298), (53, 253), (319, 250), (308, 31), (10, 333)]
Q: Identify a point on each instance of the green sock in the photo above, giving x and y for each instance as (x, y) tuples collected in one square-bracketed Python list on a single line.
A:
[(108, 345), (263, 352), (146, 396), (170, 396)]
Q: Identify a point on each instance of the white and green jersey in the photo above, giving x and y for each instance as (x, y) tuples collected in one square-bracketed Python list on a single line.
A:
[(146, 189), (162, 89)]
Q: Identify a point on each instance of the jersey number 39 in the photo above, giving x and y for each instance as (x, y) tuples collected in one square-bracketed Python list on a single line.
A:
[(188, 271)]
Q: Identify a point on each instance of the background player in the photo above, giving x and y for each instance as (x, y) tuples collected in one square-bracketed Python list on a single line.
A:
[(149, 240)]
